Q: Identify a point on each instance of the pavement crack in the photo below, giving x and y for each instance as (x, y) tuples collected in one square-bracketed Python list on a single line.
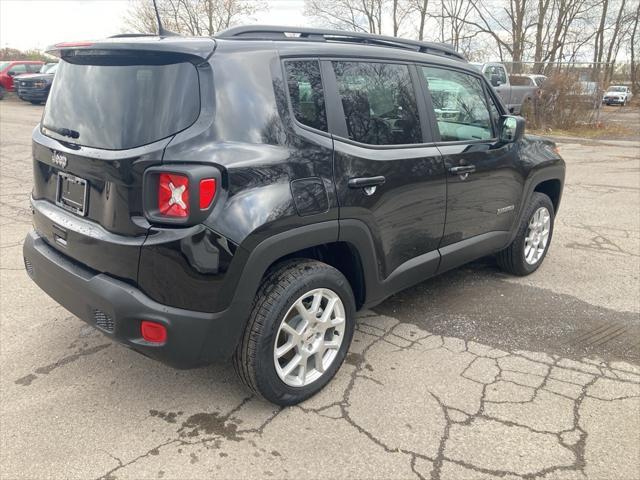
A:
[(47, 369)]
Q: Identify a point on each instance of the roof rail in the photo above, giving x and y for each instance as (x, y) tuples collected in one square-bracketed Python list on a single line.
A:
[(269, 32)]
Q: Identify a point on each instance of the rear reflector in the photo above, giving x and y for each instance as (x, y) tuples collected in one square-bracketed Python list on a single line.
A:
[(207, 192), (173, 195), (153, 332)]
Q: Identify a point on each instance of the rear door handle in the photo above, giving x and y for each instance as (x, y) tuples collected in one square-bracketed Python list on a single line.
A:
[(363, 182), (462, 169)]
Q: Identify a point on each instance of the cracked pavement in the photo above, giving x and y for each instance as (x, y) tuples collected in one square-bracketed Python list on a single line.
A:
[(470, 375)]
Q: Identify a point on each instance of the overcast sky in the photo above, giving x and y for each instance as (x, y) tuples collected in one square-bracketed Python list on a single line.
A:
[(27, 24)]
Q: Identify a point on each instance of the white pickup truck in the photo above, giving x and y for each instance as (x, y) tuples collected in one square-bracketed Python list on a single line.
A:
[(513, 96)]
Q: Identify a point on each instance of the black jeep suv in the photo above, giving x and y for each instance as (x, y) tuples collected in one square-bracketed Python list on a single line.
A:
[(243, 196)]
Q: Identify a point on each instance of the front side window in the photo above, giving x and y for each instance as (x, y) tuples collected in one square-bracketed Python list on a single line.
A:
[(460, 105), (18, 69), (496, 71), (306, 93), (379, 103)]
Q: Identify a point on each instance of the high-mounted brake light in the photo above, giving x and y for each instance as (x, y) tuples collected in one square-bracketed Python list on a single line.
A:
[(207, 192), (73, 44), (173, 195)]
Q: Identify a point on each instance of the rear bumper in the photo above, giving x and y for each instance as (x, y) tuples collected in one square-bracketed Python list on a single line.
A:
[(117, 308)]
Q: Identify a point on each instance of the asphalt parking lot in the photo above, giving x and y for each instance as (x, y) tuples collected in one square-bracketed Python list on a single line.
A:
[(471, 375)]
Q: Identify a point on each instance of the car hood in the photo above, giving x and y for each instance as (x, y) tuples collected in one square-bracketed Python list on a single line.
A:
[(35, 76)]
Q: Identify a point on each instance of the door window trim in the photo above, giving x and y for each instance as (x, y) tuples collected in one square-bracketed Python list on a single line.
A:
[(338, 125), (432, 113), (290, 110)]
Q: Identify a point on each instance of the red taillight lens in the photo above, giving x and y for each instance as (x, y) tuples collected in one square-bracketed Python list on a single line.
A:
[(153, 332), (173, 195), (207, 192)]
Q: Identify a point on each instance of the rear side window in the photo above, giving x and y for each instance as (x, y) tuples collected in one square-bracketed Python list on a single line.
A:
[(123, 105), (523, 81), (460, 105), (305, 91), (379, 103)]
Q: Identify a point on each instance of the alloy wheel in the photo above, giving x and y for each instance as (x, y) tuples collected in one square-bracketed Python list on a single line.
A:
[(309, 337), (537, 237)]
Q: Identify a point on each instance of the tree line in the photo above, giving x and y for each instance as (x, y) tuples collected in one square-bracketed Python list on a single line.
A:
[(542, 34)]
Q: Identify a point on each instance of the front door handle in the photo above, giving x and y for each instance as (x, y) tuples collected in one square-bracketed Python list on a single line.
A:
[(364, 182), (462, 169)]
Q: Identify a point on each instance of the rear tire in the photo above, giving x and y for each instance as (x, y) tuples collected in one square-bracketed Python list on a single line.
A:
[(531, 244), (314, 348)]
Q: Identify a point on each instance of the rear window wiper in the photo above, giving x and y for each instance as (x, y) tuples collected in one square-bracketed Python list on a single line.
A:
[(65, 132)]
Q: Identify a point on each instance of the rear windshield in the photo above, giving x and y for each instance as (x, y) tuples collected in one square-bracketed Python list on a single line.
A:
[(123, 106)]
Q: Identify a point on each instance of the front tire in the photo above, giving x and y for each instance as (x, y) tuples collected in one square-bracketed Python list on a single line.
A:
[(529, 248), (298, 333)]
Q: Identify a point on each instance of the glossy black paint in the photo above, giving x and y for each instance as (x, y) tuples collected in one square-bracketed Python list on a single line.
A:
[(474, 199), (284, 191)]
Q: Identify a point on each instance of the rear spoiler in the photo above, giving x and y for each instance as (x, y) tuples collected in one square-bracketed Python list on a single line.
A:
[(202, 47)]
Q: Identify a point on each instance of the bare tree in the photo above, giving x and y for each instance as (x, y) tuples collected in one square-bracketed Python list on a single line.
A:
[(192, 17), (632, 47), (455, 26), (421, 9), (354, 15)]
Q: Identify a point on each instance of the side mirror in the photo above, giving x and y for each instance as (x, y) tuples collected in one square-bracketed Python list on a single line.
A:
[(11, 74), (495, 80), (512, 129)]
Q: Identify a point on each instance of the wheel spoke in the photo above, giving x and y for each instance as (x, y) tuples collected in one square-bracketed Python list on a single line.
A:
[(332, 344), (302, 371), (284, 349), (328, 312), (306, 315), (291, 366), (315, 305), (290, 330), (319, 357), (339, 320)]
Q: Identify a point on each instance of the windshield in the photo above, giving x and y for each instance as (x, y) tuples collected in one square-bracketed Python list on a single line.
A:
[(122, 106), (617, 89), (48, 68)]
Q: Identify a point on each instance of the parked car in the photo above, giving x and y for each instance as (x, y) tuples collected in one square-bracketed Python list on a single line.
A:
[(35, 87), (617, 95), (12, 68), (513, 96), (529, 80), (242, 196)]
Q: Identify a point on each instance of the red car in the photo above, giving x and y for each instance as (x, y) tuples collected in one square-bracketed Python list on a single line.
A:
[(13, 68)]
